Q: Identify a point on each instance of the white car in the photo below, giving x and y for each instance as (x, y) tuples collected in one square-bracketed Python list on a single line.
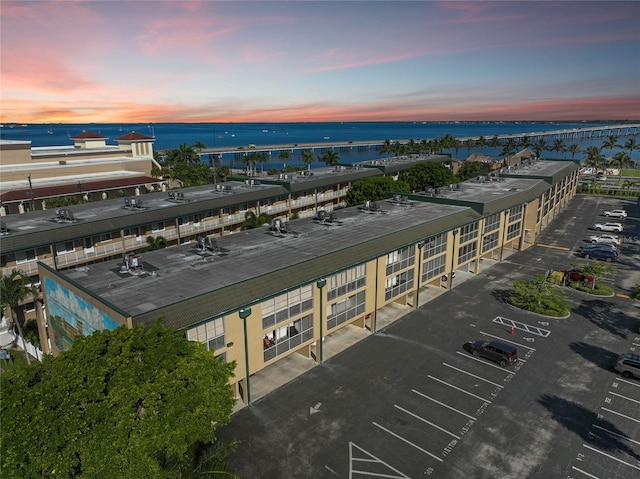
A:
[(611, 227), (605, 239), (616, 214)]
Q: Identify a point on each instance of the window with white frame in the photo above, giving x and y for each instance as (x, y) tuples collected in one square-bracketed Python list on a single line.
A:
[(434, 245), (492, 223), (286, 337), (347, 309), (159, 226), (490, 241), (467, 252), (211, 333), (281, 308), (513, 231), (400, 259), (468, 232), (25, 256), (398, 284), (515, 213), (65, 247), (346, 282), (105, 237), (434, 267)]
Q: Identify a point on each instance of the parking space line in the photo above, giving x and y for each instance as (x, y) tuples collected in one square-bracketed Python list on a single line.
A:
[(507, 341), (620, 414), (629, 382), (370, 459), (408, 442), (443, 404), (425, 421), (621, 436), (474, 376), (486, 363), (584, 472), (458, 389), (612, 457), (522, 326), (624, 397)]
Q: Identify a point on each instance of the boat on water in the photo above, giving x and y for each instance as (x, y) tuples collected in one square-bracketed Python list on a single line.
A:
[(327, 137)]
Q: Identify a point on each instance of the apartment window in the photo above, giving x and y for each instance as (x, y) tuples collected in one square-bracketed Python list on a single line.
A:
[(88, 243), (347, 309), (490, 241), (400, 259), (467, 252), (105, 237), (398, 284), (159, 226), (211, 333), (29, 307), (346, 282), (183, 220), (131, 232), (280, 340), (434, 267), (492, 223), (468, 232), (287, 305), (515, 213), (26, 256), (64, 248), (513, 231), (435, 245)]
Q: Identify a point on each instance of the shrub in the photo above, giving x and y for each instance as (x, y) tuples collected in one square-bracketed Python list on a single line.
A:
[(586, 287)]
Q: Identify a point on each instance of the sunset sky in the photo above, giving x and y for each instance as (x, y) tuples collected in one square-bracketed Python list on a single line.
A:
[(263, 61)]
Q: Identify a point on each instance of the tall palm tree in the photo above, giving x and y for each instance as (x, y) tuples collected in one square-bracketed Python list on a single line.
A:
[(386, 148), (594, 157), (14, 289), (481, 142), (184, 153), (573, 149), (540, 146), (469, 143), (456, 144), (284, 156), (525, 142), (158, 242), (558, 145), (330, 158), (307, 158), (621, 159), (495, 143), (508, 149), (611, 143), (199, 146), (631, 145)]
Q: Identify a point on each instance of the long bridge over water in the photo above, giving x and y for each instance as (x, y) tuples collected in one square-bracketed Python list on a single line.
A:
[(586, 133)]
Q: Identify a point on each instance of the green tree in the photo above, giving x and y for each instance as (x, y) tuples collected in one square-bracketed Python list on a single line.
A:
[(183, 154), (621, 160), (14, 289), (284, 155), (158, 242), (525, 142), (594, 158), (574, 148), (481, 142), (386, 148), (427, 174), (596, 269), (199, 146), (128, 403), (251, 220), (307, 158), (539, 296), (540, 146), (470, 169), (631, 145), (374, 189), (611, 143), (559, 146), (469, 143), (330, 158), (508, 148), (495, 143)]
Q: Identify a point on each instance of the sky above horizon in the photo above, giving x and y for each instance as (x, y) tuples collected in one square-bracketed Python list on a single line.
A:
[(265, 61)]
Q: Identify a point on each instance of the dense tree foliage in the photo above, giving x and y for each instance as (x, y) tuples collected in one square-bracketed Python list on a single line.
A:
[(374, 189), (427, 174), (471, 169), (539, 296), (251, 220), (14, 288), (130, 403)]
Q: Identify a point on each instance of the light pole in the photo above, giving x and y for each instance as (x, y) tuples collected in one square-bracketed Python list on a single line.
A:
[(244, 314), (420, 246), (321, 284), (453, 257)]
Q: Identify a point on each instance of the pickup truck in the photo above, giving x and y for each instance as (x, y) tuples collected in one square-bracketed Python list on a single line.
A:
[(610, 227), (605, 239)]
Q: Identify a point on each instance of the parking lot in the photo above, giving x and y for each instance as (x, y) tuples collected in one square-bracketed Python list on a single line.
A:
[(411, 401)]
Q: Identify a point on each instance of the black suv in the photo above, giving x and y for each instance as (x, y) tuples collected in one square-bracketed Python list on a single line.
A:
[(502, 353)]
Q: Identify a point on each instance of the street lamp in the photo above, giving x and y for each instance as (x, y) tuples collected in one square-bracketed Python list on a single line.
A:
[(244, 314), (321, 284), (453, 257), (420, 246)]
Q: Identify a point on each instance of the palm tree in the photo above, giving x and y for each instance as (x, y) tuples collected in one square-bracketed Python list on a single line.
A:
[(594, 157), (508, 148), (199, 146), (622, 159), (469, 143), (558, 145), (525, 142), (184, 153), (481, 142), (13, 290), (495, 143), (456, 144), (631, 145), (331, 157), (611, 143), (307, 158), (158, 242), (540, 146), (573, 149), (386, 148), (284, 156)]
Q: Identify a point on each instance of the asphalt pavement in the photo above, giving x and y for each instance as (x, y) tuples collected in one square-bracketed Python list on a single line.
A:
[(410, 401)]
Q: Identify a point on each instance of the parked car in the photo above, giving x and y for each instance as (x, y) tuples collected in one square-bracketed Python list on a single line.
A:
[(629, 365), (577, 275), (605, 239), (600, 176), (616, 214), (605, 246), (502, 353), (607, 255), (611, 227)]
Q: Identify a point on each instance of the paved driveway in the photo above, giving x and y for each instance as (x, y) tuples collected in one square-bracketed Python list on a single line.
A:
[(410, 401)]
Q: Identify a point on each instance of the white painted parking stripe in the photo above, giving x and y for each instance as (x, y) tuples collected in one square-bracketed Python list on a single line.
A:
[(458, 389), (443, 404), (507, 341), (620, 414), (621, 436), (624, 397), (473, 375), (486, 363), (612, 457), (425, 421), (522, 326), (585, 473), (629, 382), (408, 442)]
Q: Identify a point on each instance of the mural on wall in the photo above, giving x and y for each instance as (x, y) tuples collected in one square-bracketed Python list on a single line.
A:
[(70, 315)]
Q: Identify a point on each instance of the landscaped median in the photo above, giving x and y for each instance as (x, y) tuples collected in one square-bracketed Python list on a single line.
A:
[(585, 277)]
